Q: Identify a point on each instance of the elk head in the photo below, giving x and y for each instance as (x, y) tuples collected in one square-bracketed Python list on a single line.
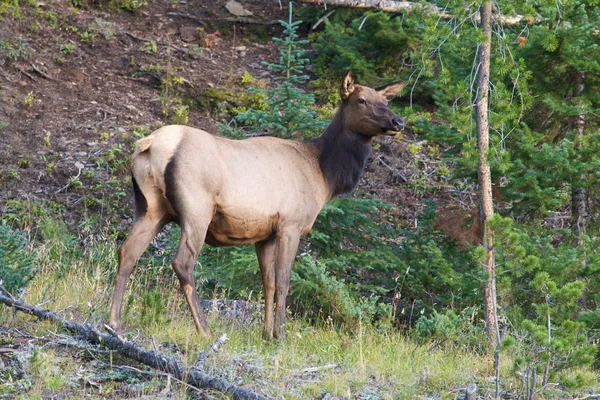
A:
[(366, 109)]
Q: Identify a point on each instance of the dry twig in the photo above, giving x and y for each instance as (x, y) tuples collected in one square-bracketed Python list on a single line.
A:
[(205, 354), (228, 19), (42, 73)]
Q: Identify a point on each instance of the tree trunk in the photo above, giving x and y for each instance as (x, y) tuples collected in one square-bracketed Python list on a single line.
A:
[(485, 179), (579, 210)]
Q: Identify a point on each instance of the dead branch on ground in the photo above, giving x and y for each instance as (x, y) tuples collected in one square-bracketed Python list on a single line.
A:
[(154, 359), (243, 20), (205, 354)]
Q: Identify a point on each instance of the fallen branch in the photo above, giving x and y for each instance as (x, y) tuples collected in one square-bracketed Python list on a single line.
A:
[(25, 73), (471, 392), (131, 35), (379, 5), (393, 6), (137, 353), (323, 18), (317, 369), (42, 73), (242, 20), (205, 354)]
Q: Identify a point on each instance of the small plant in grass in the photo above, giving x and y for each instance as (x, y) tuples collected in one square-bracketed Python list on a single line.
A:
[(87, 37), (16, 259), (67, 48), (140, 131), (129, 5), (51, 168), (289, 109), (149, 47), (181, 115), (28, 102), (52, 18), (9, 6), (14, 50), (196, 51), (13, 174), (168, 94), (247, 79)]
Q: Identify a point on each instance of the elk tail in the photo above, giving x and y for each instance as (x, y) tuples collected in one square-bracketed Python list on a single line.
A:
[(143, 144)]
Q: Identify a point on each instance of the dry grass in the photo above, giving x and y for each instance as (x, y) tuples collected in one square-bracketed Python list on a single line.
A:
[(313, 360)]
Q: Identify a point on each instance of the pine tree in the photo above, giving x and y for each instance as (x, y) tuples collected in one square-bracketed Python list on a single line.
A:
[(289, 109)]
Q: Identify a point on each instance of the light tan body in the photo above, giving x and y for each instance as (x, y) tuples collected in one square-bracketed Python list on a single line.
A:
[(242, 213), (266, 191)]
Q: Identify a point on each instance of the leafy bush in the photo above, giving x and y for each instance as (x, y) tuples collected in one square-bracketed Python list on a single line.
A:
[(16, 259)]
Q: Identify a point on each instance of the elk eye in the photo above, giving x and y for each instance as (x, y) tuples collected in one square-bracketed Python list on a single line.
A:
[(362, 101)]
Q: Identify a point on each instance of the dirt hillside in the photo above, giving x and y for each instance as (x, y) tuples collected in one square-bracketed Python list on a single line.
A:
[(79, 85)]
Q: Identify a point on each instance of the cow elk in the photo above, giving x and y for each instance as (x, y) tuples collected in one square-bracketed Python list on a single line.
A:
[(263, 190)]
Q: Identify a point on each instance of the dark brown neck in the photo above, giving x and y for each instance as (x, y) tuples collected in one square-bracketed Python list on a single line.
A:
[(342, 155)]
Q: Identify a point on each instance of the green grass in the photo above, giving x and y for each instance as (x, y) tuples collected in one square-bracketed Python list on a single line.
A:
[(314, 359)]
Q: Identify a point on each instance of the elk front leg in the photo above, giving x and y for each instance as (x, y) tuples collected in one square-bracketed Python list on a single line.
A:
[(287, 246), (265, 252)]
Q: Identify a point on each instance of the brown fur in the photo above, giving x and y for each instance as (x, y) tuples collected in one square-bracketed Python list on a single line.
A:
[(264, 190)]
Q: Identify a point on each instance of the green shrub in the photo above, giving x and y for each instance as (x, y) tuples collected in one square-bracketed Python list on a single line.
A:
[(16, 259), (455, 329)]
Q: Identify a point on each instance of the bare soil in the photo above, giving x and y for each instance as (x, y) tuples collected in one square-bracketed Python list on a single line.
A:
[(83, 103)]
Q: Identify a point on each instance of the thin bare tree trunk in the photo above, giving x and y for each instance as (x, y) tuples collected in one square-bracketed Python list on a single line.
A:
[(485, 179), (579, 211)]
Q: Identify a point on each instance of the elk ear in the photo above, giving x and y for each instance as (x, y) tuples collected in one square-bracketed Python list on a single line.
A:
[(347, 86), (389, 92)]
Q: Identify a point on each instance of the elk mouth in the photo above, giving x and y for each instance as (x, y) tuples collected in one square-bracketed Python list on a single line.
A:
[(389, 132)]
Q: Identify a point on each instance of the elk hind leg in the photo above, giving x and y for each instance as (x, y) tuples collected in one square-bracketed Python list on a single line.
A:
[(287, 246), (143, 231), (189, 248)]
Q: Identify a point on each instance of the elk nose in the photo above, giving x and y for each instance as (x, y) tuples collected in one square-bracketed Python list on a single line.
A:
[(398, 123)]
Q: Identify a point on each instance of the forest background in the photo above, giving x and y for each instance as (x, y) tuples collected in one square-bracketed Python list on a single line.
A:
[(387, 288)]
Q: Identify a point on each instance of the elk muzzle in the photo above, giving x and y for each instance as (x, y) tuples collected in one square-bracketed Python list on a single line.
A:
[(397, 123), (393, 126)]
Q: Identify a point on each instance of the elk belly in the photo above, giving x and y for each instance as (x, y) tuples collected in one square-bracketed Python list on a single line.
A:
[(235, 229)]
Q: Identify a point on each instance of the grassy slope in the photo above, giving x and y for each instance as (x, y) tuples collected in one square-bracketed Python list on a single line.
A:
[(358, 364)]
